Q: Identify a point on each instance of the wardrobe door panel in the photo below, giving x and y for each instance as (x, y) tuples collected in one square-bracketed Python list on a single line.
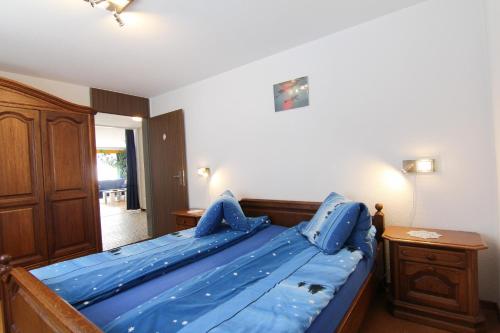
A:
[(16, 173), (17, 225), (70, 234), (67, 158), (68, 186), (22, 224)]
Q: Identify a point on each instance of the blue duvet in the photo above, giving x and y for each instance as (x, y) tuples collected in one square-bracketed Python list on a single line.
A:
[(92, 278), (280, 287)]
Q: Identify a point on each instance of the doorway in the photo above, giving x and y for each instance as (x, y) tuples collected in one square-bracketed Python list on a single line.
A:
[(121, 178)]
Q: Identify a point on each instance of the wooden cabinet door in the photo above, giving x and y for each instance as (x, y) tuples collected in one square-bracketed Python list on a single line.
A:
[(437, 286), (22, 223), (67, 157)]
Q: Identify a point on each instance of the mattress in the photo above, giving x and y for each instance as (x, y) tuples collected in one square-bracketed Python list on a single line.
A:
[(105, 311)]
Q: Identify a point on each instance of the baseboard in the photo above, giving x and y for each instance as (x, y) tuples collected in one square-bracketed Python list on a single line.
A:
[(490, 306)]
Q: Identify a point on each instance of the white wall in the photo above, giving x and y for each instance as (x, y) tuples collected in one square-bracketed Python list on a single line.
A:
[(68, 91), (493, 27), (115, 120), (110, 137), (410, 84)]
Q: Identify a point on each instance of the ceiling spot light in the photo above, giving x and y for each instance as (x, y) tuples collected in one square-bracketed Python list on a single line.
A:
[(114, 6)]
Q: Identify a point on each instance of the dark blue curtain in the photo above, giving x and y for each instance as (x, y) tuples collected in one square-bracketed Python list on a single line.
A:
[(132, 188)]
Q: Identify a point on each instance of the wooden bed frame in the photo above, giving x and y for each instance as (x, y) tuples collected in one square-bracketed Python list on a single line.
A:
[(29, 306)]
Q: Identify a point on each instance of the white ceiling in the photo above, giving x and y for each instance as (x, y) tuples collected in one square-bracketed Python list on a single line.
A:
[(165, 44)]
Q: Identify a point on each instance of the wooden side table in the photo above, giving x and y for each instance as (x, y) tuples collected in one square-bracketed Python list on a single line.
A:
[(185, 219), (435, 281)]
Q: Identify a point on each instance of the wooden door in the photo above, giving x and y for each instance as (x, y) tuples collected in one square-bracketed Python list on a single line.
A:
[(70, 210), (22, 222), (168, 169)]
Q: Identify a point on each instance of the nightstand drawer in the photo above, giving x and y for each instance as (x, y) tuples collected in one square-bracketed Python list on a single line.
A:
[(186, 221), (434, 286), (433, 256)]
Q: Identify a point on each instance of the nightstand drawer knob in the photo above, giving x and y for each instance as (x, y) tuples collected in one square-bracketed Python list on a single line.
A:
[(431, 257)]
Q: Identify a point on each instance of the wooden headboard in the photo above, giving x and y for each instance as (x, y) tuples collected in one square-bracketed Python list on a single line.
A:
[(291, 213)]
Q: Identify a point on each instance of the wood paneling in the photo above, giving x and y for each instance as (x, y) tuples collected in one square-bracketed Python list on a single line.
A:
[(16, 172), (13, 93), (48, 184), (22, 223), (69, 226), (281, 212), (117, 103), (15, 225), (442, 287), (67, 164), (168, 170)]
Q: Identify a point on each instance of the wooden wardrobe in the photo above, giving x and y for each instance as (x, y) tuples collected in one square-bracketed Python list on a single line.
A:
[(48, 184)]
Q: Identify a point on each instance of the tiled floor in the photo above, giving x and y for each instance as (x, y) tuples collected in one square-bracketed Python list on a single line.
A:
[(379, 320), (120, 226)]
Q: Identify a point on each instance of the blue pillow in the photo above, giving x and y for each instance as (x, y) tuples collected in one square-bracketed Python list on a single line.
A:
[(210, 219), (225, 207), (332, 224), (362, 236), (233, 214)]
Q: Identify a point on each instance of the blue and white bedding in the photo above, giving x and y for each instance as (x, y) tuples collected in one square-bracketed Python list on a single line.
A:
[(280, 287), (89, 279)]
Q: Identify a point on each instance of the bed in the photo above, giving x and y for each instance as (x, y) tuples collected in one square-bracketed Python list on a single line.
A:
[(30, 306)]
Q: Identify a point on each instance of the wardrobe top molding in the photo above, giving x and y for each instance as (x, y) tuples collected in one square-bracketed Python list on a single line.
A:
[(13, 93)]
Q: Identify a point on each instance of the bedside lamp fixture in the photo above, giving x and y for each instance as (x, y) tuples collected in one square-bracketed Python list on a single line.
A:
[(114, 6), (204, 172), (423, 165)]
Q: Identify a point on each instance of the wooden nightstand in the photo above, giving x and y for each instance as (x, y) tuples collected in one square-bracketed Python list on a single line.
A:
[(185, 219), (435, 281)]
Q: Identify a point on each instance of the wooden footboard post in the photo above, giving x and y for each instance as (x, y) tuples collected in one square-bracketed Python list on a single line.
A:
[(5, 270), (378, 221), (29, 306)]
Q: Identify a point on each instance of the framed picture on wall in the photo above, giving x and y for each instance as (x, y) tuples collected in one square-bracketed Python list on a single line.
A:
[(291, 94)]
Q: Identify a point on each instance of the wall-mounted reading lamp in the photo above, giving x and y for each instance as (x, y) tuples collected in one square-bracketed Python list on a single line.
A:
[(114, 6), (423, 165), (204, 172), (416, 167)]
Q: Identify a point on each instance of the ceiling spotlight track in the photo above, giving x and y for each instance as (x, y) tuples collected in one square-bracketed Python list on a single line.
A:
[(114, 6), (118, 19), (93, 3)]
